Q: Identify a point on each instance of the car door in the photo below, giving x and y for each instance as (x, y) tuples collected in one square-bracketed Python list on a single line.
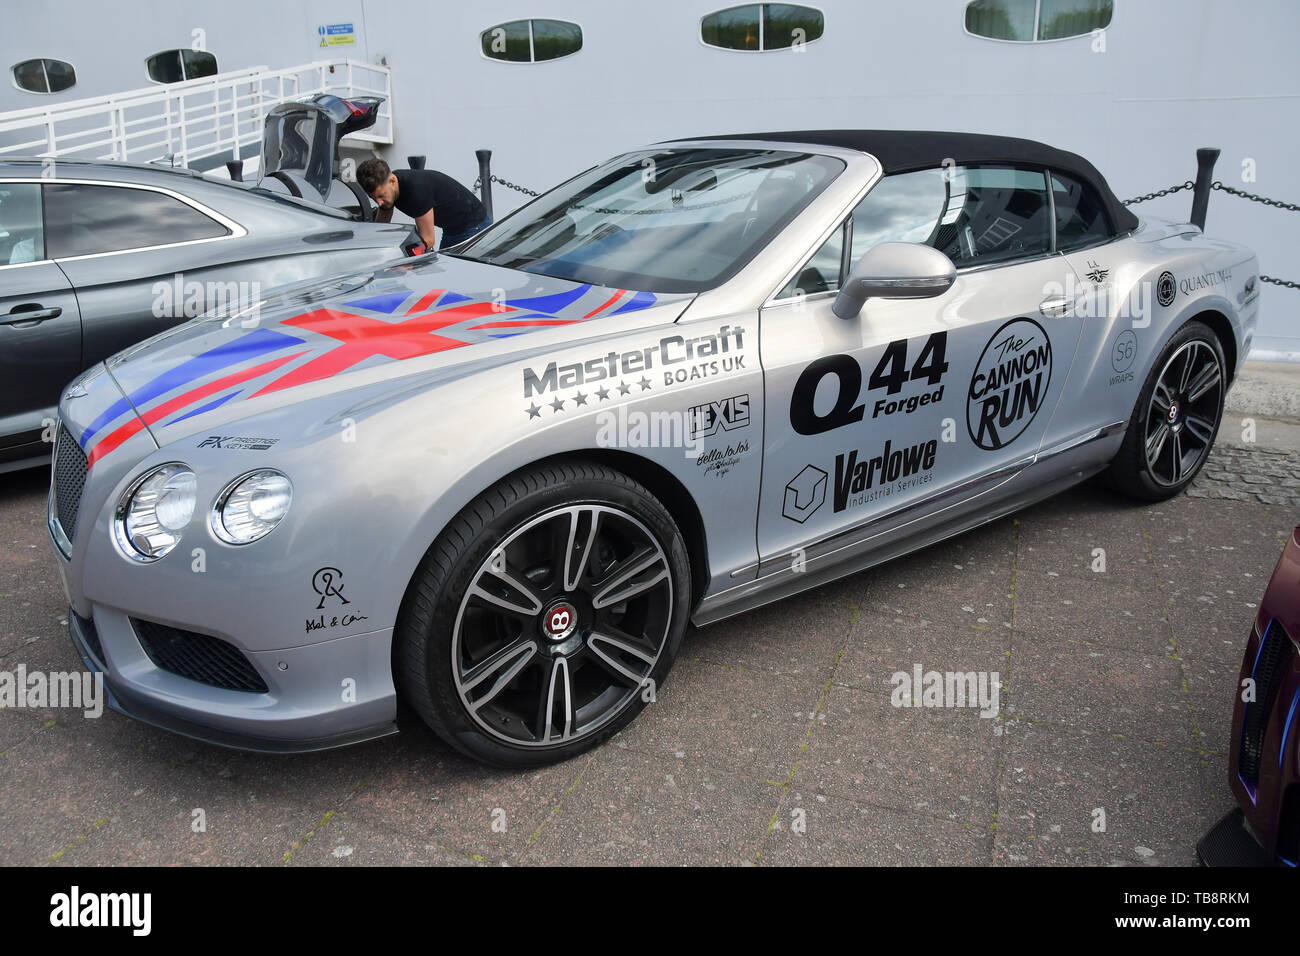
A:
[(1104, 382), (135, 254), (902, 409), (40, 327)]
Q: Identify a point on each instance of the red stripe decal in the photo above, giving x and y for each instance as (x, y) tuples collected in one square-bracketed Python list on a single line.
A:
[(617, 295), (117, 437), (425, 301), (112, 440)]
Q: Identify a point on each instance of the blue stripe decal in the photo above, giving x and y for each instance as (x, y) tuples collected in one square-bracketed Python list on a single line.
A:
[(551, 303), (450, 297), (241, 349), (119, 407), (639, 301), (508, 335), (1286, 730), (388, 304), (205, 408)]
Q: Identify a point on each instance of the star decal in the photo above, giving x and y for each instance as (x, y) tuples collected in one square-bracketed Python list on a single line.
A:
[(557, 404), (624, 388), (580, 399), (644, 383), (602, 393), (533, 411)]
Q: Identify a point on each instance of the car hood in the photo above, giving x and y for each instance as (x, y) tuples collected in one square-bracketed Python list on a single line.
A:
[(414, 315)]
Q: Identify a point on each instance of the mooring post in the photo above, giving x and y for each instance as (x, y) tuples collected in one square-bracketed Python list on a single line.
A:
[(485, 179), (1206, 157)]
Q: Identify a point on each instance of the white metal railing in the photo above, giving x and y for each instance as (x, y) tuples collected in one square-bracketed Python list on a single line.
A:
[(189, 121)]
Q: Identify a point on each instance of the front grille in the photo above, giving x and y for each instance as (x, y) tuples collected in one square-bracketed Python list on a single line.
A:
[(1270, 666), (90, 635), (69, 480), (198, 657)]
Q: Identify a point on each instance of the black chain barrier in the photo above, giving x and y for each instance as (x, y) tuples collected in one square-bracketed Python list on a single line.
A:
[(1289, 206), (478, 184), (1282, 282), (1253, 197), (1158, 193)]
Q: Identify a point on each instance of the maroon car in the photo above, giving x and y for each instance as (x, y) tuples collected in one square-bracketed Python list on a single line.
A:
[(1264, 756)]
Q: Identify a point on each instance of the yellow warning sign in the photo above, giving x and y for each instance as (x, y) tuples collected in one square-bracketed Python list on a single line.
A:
[(336, 34)]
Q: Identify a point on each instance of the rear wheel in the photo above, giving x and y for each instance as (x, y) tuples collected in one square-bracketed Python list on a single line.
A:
[(546, 616), (1176, 418)]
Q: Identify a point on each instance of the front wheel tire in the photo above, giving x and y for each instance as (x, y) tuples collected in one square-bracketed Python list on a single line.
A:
[(546, 615), (1176, 418)]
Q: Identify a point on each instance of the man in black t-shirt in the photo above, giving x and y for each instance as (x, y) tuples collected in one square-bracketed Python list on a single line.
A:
[(423, 194)]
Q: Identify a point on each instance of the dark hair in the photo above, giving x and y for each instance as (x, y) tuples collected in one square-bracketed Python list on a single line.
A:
[(372, 174)]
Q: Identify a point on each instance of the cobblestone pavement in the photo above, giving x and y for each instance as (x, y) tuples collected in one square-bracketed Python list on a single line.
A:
[(1114, 630), (1270, 476)]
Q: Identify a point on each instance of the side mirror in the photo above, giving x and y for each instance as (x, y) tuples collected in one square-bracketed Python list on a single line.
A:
[(895, 270)]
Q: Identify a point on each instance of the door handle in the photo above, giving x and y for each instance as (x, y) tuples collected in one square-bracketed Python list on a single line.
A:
[(1056, 308), (30, 314)]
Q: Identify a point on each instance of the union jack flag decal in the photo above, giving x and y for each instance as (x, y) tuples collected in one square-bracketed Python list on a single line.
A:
[(315, 345)]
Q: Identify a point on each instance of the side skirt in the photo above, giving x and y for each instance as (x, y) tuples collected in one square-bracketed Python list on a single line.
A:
[(1051, 472)]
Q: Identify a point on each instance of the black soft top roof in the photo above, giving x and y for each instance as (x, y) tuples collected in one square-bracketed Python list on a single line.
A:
[(902, 151)]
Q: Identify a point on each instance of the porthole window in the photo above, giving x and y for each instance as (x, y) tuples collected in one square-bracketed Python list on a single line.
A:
[(531, 41), (1027, 21), (177, 66), (757, 27), (44, 76)]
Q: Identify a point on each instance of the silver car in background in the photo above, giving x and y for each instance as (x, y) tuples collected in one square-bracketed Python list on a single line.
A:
[(694, 379), (95, 257)]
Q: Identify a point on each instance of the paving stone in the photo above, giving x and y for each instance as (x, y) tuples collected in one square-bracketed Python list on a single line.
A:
[(748, 722), (1090, 688), (633, 808), (938, 761), (880, 646), (814, 829), (346, 840), (1157, 801)]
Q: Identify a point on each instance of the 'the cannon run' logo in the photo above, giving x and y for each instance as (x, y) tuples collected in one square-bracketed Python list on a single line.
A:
[(1009, 385)]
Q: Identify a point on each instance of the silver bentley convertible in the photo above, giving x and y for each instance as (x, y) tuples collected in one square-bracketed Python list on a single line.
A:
[(497, 482)]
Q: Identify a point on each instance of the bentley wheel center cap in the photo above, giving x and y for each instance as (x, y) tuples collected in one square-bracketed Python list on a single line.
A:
[(559, 621)]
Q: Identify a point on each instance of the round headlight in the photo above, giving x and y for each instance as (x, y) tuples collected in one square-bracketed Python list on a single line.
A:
[(155, 510), (251, 507)]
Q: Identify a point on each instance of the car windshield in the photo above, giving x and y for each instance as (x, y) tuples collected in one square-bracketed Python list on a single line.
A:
[(661, 220)]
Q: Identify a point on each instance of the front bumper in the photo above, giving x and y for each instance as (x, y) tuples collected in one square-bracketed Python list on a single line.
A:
[(206, 656), (306, 707), (1231, 843)]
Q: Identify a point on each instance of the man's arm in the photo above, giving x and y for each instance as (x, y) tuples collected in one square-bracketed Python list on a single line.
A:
[(384, 215), (425, 225)]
